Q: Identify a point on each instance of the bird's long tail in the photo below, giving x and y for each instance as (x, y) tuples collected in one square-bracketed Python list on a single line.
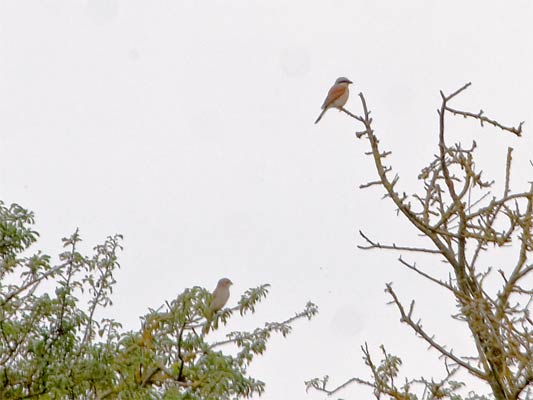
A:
[(208, 320), (320, 116)]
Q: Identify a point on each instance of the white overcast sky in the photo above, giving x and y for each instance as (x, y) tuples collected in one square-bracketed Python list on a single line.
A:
[(187, 126)]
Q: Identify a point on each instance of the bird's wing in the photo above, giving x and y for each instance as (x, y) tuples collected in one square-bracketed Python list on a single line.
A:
[(334, 93)]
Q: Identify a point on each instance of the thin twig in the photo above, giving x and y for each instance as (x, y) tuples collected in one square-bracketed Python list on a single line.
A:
[(377, 245), (427, 276), (482, 119)]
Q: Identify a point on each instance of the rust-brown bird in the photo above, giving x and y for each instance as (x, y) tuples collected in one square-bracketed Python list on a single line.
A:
[(337, 96)]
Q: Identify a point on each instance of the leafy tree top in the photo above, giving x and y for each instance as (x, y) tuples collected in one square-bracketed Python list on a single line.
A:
[(53, 345)]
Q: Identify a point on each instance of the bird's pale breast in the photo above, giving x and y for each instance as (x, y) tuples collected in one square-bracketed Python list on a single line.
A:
[(341, 101)]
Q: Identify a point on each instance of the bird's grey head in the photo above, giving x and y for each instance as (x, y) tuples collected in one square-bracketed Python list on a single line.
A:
[(225, 282), (342, 79)]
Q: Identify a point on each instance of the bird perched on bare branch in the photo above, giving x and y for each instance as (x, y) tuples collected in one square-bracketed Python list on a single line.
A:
[(337, 96), (219, 298)]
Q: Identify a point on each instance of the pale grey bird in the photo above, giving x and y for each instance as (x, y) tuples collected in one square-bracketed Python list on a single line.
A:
[(219, 298), (220, 295), (337, 96)]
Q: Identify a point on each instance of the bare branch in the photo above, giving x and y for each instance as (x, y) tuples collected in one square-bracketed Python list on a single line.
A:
[(458, 91), (377, 245), (351, 115), (406, 318), (427, 276), (482, 119), (367, 185)]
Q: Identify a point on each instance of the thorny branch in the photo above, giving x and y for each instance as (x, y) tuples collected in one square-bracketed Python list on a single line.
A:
[(377, 245), (406, 317), (482, 119)]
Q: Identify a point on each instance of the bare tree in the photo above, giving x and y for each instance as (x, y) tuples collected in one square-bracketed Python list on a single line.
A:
[(458, 211)]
